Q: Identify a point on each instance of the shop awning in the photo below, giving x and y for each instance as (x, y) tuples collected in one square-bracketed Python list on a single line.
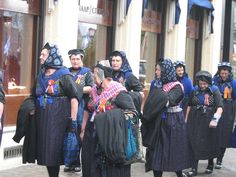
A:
[(206, 4)]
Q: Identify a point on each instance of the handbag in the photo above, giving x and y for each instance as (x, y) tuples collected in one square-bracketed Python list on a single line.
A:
[(71, 144), (134, 145), (233, 140), (131, 145)]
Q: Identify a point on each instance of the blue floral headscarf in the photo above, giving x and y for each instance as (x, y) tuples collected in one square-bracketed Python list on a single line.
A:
[(167, 71), (54, 59), (125, 67)]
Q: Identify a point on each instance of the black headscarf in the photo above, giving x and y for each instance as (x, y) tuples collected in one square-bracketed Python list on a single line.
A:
[(76, 52), (54, 59), (167, 71), (125, 67), (204, 76)]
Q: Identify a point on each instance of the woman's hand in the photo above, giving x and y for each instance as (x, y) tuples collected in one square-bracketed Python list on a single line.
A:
[(81, 135), (213, 124)]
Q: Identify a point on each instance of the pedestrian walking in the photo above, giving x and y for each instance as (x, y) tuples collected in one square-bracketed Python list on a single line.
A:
[(84, 82), (223, 79), (203, 113), (57, 103), (182, 77), (165, 132)]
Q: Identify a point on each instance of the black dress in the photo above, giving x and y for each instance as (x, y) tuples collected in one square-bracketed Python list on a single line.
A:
[(52, 115), (228, 116), (204, 140), (172, 150), (169, 150)]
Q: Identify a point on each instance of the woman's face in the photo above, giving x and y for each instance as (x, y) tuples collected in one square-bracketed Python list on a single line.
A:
[(224, 74), (43, 56), (180, 71), (158, 71), (116, 62), (203, 85), (76, 61)]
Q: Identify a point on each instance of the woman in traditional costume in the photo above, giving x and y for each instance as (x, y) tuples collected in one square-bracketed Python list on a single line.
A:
[(163, 125), (203, 114), (183, 78), (109, 106), (223, 79), (56, 106), (84, 83)]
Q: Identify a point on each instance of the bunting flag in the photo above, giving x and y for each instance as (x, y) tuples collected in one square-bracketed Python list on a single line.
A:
[(127, 5), (205, 4), (177, 12), (145, 5)]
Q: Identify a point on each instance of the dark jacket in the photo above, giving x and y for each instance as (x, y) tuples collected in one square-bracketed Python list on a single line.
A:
[(26, 127), (111, 128), (151, 119)]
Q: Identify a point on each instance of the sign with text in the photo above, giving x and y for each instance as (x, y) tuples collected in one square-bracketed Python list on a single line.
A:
[(96, 12), (24, 6), (192, 29), (151, 21)]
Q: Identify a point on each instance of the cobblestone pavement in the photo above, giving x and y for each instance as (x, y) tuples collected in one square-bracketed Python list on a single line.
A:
[(31, 170)]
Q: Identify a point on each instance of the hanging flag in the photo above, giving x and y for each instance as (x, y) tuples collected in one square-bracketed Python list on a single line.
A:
[(145, 5), (127, 5), (177, 11)]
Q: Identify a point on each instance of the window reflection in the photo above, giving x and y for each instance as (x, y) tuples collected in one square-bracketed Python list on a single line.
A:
[(16, 51), (148, 56), (92, 38)]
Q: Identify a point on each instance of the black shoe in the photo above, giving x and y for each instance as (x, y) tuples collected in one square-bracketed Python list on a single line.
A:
[(218, 165), (193, 172), (68, 169), (209, 169)]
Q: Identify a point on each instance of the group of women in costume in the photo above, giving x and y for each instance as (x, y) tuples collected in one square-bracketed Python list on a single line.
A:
[(108, 98), (181, 124)]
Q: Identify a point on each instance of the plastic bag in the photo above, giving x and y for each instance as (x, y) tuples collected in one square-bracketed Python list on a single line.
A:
[(71, 145)]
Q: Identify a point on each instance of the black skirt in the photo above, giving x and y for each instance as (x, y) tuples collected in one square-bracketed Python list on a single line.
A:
[(204, 140), (172, 151), (88, 151), (226, 123), (51, 128)]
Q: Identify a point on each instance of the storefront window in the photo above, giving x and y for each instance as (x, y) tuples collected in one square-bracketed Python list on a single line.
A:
[(16, 36), (233, 38), (148, 56), (95, 29), (16, 60), (150, 39), (92, 38)]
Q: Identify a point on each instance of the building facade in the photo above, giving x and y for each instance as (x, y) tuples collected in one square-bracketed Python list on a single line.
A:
[(146, 30)]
